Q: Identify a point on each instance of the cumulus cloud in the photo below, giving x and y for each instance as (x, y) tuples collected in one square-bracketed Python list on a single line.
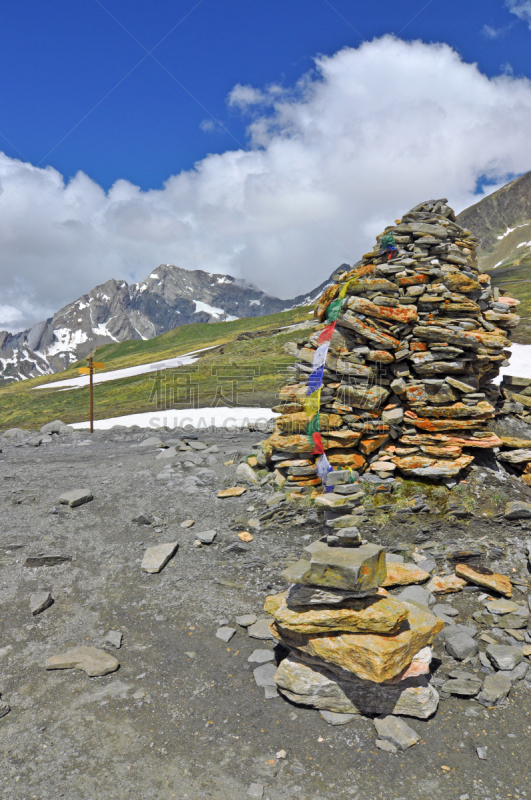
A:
[(522, 9), (368, 133)]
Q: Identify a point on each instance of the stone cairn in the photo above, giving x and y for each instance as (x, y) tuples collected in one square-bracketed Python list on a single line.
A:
[(353, 649), (397, 377)]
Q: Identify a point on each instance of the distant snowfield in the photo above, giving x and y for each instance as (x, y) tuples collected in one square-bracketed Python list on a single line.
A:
[(198, 418), (520, 362), (127, 372)]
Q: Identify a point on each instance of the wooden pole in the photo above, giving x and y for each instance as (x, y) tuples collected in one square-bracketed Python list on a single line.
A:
[(91, 395)]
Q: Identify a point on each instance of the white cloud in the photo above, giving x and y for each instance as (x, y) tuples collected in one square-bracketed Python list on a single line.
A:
[(492, 33), (522, 9), (207, 125), (356, 142)]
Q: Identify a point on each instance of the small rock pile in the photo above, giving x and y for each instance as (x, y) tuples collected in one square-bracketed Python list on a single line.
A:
[(353, 649), (416, 336)]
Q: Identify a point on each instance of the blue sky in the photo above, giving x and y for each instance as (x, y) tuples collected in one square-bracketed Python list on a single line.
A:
[(268, 139), (65, 70)]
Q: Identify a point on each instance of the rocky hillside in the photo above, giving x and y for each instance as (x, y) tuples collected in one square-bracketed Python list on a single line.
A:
[(116, 311), (502, 223)]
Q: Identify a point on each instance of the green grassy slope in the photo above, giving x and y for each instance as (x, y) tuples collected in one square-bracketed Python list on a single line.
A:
[(514, 276), (246, 371)]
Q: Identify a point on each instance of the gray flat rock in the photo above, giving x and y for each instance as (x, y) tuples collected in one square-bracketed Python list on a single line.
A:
[(264, 675), (260, 629), (460, 645), (225, 634), (77, 497), (205, 537), (334, 718), (387, 747), (395, 730), (444, 608), (256, 791), (156, 558), (39, 602), (504, 657), (152, 441), (245, 474), (495, 687), (261, 656), (462, 687), (169, 452), (416, 594), (114, 638), (245, 620)]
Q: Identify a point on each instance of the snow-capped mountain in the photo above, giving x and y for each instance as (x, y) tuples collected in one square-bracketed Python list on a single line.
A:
[(116, 311)]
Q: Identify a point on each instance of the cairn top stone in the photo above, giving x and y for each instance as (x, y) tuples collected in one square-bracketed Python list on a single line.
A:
[(360, 569)]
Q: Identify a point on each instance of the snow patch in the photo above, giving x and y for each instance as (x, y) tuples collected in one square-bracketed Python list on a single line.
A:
[(214, 312), (199, 418), (520, 362), (66, 340), (510, 230), (101, 330), (127, 372), (255, 303)]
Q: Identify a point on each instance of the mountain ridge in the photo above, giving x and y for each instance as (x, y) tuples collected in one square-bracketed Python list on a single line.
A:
[(115, 311)]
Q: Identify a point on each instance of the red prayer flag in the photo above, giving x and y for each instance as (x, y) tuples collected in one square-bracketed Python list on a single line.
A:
[(319, 449), (326, 333)]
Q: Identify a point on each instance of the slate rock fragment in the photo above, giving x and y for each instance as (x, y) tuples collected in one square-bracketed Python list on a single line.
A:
[(76, 497), (89, 659), (156, 557), (39, 602)]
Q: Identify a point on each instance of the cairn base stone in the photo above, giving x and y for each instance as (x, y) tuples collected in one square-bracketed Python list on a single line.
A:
[(343, 693)]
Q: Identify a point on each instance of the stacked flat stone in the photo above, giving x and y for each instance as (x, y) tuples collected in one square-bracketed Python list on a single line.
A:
[(407, 382), (353, 648)]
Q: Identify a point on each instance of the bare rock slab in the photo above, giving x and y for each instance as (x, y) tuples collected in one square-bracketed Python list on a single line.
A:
[(39, 602), (89, 659), (395, 730), (156, 558), (77, 497), (517, 509)]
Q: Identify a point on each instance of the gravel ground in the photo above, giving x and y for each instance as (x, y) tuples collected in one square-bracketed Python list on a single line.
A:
[(183, 716)]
